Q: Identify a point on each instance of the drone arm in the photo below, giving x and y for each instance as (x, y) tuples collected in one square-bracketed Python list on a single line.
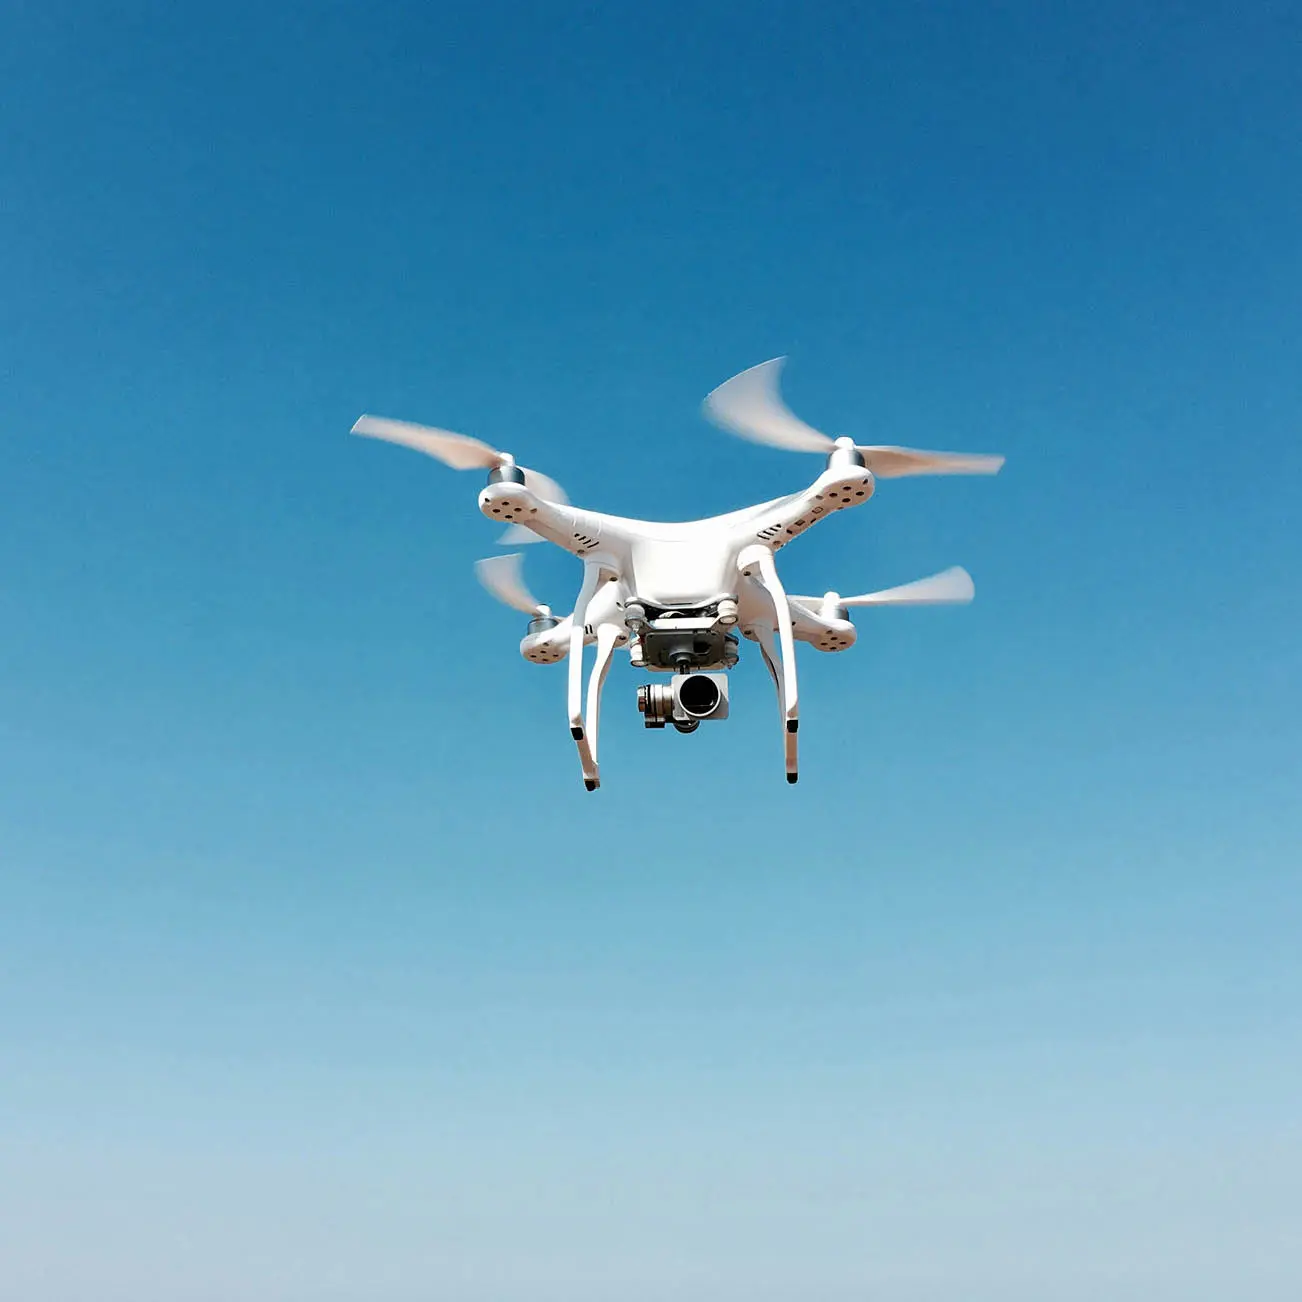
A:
[(840, 486), (506, 502), (804, 626)]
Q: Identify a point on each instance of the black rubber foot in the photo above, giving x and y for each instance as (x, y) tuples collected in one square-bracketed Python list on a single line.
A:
[(793, 778), (591, 783), (793, 725), (576, 733)]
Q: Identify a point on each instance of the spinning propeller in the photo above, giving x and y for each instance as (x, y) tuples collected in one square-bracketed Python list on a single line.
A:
[(750, 405), (952, 587), (501, 576), (548, 639), (462, 452)]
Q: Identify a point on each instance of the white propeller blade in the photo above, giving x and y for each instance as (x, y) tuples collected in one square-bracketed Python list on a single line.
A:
[(894, 463), (501, 576), (462, 452), (750, 405), (459, 451), (948, 588)]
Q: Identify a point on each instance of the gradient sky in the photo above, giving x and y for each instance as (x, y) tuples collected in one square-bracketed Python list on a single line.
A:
[(321, 977)]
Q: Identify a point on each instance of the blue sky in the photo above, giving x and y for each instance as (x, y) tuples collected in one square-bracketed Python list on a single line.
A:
[(322, 978)]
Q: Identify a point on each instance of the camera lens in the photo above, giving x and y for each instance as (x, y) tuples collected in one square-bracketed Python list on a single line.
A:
[(698, 695)]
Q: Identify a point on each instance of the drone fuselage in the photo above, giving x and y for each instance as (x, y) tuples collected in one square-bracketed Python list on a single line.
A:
[(679, 566), (678, 572), (676, 595)]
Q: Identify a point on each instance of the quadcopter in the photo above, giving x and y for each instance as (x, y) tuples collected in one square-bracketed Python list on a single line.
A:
[(675, 595)]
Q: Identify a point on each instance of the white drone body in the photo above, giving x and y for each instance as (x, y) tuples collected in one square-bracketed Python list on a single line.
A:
[(676, 594)]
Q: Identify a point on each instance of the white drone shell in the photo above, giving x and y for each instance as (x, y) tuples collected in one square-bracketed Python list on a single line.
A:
[(723, 564)]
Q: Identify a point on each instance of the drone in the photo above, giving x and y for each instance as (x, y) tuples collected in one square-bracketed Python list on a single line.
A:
[(676, 595)]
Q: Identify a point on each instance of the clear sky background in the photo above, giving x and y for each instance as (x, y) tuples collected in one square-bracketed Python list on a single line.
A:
[(321, 977)]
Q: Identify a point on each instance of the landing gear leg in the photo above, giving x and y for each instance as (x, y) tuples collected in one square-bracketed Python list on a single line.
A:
[(578, 632), (609, 637)]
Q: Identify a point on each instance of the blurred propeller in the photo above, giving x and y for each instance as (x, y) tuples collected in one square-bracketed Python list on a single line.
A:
[(501, 576), (459, 451), (462, 452), (952, 587), (750, 405)]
